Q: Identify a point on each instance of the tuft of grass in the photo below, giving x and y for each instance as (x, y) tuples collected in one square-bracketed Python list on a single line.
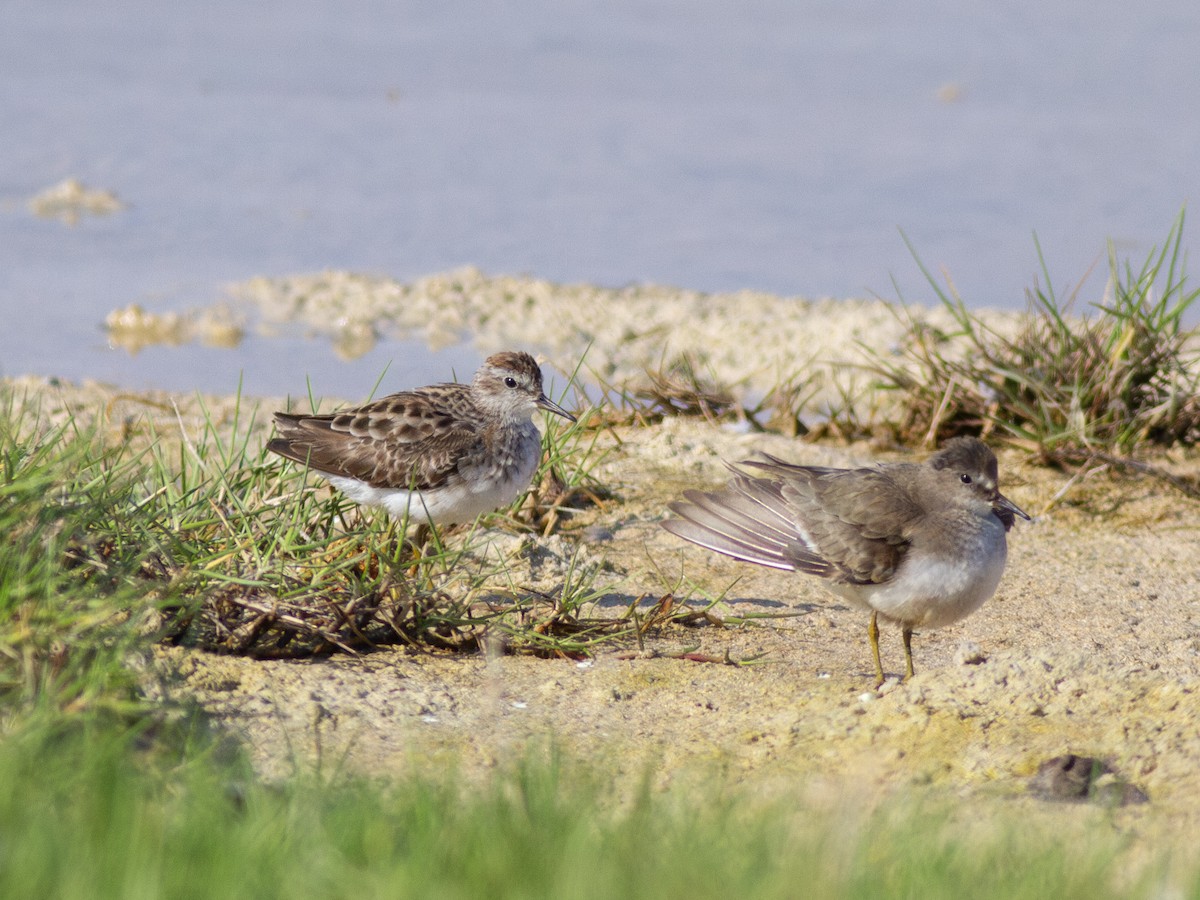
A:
[(71, 568), (679, 386), (1069, 388), (685, 386), (780, 409), (98, 812)]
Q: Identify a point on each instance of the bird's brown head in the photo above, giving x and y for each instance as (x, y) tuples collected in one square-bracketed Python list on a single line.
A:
[(510, 383)]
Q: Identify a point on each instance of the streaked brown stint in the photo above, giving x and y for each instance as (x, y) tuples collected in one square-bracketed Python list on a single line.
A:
[(440, 454)]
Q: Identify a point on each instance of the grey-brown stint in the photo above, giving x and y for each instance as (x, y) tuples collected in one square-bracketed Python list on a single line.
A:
[(443, 453), (919, 544)]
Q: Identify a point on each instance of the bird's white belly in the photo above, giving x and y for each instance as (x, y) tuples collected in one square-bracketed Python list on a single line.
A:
[(932, 589), (477, 491)]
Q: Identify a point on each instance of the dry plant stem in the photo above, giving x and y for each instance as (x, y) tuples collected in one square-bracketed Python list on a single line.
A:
[(1083, 461)]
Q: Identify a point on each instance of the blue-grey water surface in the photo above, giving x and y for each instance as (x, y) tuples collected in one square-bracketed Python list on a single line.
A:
[(770, 144)]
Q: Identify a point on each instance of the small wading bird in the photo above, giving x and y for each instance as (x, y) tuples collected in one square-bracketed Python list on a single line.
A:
[(919, 544), (438, 454)]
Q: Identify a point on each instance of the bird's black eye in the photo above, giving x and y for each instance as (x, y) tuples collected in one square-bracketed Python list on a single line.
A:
[(510, 382), (965, 478)]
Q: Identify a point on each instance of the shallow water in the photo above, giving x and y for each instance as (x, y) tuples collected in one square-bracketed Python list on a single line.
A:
[(769, 145)]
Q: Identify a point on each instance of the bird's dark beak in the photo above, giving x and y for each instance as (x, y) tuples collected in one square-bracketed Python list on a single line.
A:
[(1002, 502), (550, 406)]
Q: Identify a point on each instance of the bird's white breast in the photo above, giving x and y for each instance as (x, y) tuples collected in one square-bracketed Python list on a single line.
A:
[(944, 580)]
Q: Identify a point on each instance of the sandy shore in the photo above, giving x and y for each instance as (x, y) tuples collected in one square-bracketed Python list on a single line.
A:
[(751, 341), (1090, 646)]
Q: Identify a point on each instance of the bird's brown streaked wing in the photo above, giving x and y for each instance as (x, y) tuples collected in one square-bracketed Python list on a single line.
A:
[(414, 439)]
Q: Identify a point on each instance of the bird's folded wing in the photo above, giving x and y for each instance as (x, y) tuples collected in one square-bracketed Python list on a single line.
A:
[(388, 443)]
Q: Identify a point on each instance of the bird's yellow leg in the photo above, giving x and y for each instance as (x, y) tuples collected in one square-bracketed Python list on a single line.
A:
[(908, 668), (873, 634)]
